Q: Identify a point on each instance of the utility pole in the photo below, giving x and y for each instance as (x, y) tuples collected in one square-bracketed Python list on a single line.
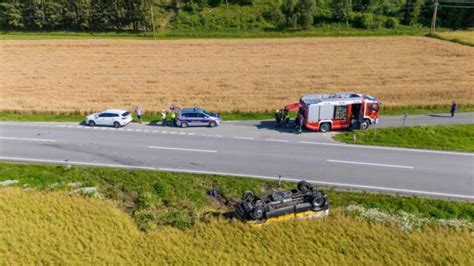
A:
[(433, 20), (152, 19)]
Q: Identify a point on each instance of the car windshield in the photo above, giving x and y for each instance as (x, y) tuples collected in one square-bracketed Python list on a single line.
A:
[(208, 113), (126, 114)]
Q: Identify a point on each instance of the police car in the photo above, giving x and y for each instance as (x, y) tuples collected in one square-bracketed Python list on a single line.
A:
[(192, 117)]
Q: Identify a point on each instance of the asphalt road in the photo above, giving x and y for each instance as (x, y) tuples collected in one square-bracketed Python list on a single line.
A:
[(250, 149)]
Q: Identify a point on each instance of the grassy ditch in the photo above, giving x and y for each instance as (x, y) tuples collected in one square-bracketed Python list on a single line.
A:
[(454, 138), (321, 31), (179, 200), (44, 221), (236, 115)]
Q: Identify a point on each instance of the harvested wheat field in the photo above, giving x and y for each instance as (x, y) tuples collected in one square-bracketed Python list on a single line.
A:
[(55, 228), (229, 75)]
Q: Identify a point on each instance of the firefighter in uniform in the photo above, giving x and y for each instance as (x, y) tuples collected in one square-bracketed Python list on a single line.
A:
[(173, 118), (286, 117), (277, 119), (163, 118), (299, 123)]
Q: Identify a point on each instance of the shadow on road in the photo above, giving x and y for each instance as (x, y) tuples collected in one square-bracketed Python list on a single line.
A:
[(443, 116), (271, 126), (155, 123)]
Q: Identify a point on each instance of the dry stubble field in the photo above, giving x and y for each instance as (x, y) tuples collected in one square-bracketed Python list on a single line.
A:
[(228, 75)]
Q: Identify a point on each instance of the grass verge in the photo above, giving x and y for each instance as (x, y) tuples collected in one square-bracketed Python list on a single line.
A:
[(236, 115), (453, 138), (461, 37), (323, 31), (48, 224)]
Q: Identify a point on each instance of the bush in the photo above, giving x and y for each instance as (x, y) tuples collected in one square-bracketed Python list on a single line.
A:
[(371, 21), (391, 22)]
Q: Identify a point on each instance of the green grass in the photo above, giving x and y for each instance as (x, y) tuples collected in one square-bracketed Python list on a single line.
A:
[(461, 37), (44, 223), (323, 31), (57, 228), (236, 115), (180, 200), (453, 138)]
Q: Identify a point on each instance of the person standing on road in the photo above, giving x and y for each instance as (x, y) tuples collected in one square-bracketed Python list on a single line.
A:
[(139, 113), (286, 117), (454, 108), (277, 119), (300, 123), (163, 118), (173, 118)]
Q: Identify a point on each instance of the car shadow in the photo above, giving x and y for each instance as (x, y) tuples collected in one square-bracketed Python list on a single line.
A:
[(270, 125), (442, 116)]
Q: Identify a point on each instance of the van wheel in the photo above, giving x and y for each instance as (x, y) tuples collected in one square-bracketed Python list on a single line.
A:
[(318, 201), (325, 127), (116, 124), (212, 124), (184, 125), (257, 213), (364, 125), (91, 123)]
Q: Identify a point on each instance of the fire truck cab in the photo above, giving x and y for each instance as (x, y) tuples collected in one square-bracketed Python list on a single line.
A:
[(325, 112)]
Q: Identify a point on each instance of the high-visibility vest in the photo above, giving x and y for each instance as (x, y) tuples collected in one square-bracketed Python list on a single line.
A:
[(163, 115), (173, 115)]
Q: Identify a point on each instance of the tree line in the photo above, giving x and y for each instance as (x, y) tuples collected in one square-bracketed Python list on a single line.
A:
[(135, 15)]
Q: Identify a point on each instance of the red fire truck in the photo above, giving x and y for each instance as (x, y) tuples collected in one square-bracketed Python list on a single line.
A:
[(325, 112)]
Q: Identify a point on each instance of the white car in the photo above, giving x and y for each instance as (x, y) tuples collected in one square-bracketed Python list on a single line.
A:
[(113, 117)]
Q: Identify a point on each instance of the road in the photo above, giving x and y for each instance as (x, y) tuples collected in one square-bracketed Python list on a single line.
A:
[(249, 149)]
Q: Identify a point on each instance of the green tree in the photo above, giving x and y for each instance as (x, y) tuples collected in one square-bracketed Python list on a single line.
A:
[(304, 10), (10, 16), (291, 19)]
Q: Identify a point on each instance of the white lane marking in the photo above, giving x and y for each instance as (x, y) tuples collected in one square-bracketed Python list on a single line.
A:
[(393, 190), (129, 129), (146, 130), (164, 131), (245, 138), (28, 139), (372, 164), (182, 133), (277, 140), (70, 126), (154, 131), (180, 149), (191, 134), (120, 129), (173, 132), (62, 125), (386, 148), (138, 130)]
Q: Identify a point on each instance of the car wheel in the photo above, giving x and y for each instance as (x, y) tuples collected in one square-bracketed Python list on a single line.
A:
[(91, 123), (364, 125), (318, 201), (257, 213), (325, 127), (184, 125), (212, 124), (116, 124)]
